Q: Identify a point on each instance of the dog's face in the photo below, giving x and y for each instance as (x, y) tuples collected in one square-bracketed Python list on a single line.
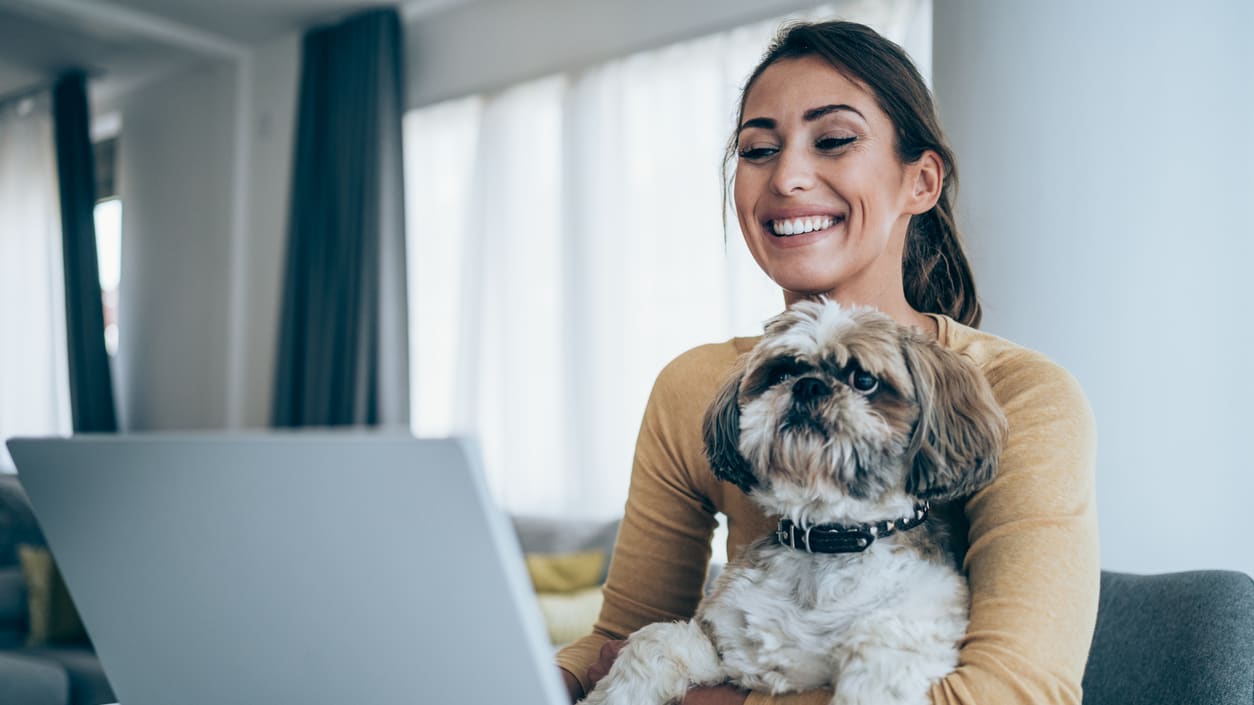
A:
[(842, 414)]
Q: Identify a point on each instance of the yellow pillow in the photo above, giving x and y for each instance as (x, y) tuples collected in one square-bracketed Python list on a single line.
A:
[(565, 572), (570, 616), (53, 618)]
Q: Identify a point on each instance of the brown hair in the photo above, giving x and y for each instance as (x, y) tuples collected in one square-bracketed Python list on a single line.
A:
[(935, 270)]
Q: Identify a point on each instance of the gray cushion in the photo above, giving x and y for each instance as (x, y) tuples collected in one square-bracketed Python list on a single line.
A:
[(88, 685), (30, 681), (12, 595), (17, 526), (17, 521), (13, 607), (1173, 638)]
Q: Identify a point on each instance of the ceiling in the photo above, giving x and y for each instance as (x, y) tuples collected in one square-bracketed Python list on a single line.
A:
[(122, 43)]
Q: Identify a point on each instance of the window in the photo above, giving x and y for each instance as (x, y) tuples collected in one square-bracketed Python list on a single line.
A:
[(108, 220), (34, 371)]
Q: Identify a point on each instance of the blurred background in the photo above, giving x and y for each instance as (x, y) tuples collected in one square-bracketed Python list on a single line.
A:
[(559, 173)]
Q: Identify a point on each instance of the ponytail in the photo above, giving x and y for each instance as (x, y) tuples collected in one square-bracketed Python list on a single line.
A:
[(934, 266)]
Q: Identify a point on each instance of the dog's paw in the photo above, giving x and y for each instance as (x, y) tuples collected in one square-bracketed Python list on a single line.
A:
[(658, 665), (623, 689)]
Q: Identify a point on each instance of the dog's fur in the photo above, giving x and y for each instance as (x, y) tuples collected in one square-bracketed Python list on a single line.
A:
[(792, 431)]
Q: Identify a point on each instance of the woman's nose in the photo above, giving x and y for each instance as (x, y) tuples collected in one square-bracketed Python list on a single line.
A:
[(794, 172)]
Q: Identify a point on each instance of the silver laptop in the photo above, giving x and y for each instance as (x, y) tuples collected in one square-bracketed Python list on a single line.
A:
[(291, 568)]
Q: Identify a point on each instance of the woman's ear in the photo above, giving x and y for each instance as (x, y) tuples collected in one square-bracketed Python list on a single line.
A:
[(926, 177), (721, 428)]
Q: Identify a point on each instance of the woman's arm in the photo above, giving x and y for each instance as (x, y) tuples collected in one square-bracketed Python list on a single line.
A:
[(1033, 562)]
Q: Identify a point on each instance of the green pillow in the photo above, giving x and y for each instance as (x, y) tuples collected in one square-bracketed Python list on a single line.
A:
[(53, 618)]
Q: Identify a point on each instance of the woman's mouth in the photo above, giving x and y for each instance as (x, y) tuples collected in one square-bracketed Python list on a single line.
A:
[(786, 227)]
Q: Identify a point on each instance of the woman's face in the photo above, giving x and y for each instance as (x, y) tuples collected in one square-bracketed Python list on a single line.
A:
[(822, 198)]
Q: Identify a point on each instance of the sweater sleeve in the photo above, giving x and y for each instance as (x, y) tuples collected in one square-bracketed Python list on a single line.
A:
[(660, 559), (1033, 561)]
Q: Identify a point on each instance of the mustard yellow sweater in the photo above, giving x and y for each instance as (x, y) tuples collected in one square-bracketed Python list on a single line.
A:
[(1033, 557)]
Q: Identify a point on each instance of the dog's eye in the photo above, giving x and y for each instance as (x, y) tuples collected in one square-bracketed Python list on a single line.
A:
[(781, 371), (781, 375), (863, 382)]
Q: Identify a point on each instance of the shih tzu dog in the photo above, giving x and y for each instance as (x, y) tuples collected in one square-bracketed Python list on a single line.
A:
[(850, 428)]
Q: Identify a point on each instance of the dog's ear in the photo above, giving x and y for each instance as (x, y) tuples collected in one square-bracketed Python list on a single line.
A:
[(961, 429), (722, 437)]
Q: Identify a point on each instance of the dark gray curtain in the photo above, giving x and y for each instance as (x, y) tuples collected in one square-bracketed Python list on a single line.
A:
[(91, 384), (343, 345)]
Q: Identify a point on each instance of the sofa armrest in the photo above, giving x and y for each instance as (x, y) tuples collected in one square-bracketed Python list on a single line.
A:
[(32, 681)]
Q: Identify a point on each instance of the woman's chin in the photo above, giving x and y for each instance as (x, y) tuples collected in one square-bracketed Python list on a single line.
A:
[(809, 276), (796, 289)]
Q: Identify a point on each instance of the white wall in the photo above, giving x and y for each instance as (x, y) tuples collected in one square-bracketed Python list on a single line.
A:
[(205, 162), (1106, 166), (175, 175), (275, 74)]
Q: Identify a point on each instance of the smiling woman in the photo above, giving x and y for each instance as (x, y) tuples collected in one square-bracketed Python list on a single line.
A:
[(820, 191), (840, 191)]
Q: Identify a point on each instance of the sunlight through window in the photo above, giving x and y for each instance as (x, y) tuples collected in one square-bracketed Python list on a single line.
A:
[(108, 216)]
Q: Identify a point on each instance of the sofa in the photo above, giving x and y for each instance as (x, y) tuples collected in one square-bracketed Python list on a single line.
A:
[(45, 656), (568, 561)]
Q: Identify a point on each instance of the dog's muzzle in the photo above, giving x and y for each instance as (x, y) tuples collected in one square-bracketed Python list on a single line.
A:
[(808, 391)]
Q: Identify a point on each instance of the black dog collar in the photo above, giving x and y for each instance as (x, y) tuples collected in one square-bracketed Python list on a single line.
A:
[(837, 538)]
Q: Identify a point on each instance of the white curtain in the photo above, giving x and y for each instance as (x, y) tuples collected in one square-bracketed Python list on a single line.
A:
[(566, 241), (34, 373)]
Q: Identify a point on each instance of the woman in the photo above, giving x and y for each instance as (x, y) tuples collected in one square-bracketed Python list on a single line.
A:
[(844, 186)]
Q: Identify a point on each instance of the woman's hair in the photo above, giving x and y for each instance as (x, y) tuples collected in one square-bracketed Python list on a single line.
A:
[(935, 270)]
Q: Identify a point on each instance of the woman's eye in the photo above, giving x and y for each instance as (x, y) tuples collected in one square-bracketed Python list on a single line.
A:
[(754, 154), (828, 144), (863, 382)]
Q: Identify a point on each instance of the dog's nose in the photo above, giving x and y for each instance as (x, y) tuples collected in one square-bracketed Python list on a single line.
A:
[(808, 390)]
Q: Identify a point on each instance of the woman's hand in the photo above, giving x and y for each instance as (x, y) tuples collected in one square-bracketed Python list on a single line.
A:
[(609, 652), (572, 685)]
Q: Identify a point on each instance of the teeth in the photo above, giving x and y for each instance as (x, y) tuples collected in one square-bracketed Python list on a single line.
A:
[(797, 226)]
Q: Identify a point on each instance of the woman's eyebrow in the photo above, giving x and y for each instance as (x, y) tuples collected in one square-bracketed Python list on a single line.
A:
[(810, 116), (815, 113), (764, 123)]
